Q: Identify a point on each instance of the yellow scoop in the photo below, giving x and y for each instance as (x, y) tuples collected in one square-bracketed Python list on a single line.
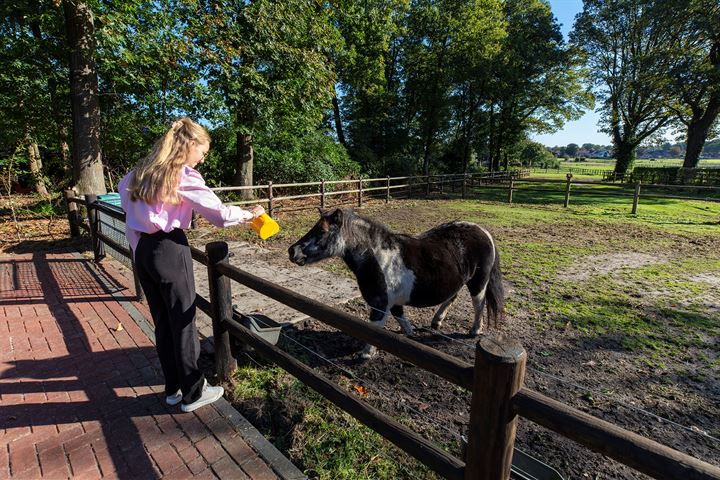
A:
[(265, 226)]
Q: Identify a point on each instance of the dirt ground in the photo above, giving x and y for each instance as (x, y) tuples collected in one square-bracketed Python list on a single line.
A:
[(675, 405)]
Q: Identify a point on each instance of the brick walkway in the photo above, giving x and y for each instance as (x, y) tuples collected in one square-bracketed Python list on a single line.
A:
[(81, 393)]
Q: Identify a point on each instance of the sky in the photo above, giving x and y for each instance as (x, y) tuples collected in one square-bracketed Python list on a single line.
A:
[(584, 130)]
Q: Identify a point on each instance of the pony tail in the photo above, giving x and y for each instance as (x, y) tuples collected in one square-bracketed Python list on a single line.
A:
[(495, 295)]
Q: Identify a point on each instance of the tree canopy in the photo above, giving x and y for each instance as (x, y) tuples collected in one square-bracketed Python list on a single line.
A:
[(303, 90)]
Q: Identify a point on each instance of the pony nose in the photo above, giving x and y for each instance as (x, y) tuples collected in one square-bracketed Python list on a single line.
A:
[(296, 255)]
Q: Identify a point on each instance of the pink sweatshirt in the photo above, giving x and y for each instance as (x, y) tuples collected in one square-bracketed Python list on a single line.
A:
[(194, 195)]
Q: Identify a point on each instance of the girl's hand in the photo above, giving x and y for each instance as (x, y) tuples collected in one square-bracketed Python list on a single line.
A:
[(257, 210)]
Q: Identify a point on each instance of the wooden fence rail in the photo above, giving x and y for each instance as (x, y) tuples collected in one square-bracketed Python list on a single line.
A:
[(495, 382)]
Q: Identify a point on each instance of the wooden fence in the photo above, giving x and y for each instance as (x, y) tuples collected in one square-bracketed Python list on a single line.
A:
[(495, 380), (634, 193), (355, 192)]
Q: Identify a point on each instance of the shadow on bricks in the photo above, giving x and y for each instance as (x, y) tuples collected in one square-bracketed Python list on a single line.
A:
[(80, 394)]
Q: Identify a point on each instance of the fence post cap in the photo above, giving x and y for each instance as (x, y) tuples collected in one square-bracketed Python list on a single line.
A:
[(500, 349), (217, 251)]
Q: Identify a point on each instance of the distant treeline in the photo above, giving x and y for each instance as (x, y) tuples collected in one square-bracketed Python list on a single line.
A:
[(665, 150)]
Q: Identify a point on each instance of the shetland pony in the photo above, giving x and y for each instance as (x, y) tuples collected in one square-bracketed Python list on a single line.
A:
[(394, 270)]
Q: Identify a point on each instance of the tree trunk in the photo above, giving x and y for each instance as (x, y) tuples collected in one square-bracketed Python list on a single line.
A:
[(244, 172), (36, 168), (338, 120), (624, 156), (426, 151), (698, 131), (87, 159)]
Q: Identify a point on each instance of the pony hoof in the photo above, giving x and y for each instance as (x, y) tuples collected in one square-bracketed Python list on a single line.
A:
[(475, 332), (435, 326), (368, 353)]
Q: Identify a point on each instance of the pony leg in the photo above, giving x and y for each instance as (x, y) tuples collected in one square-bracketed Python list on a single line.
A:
[(478, 302), (379, 318), (405, 324), (441, 312)]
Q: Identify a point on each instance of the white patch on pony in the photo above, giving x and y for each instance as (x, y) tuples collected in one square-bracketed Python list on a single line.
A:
[(492, 242), (478, 302), (406, 326), (399, 279)]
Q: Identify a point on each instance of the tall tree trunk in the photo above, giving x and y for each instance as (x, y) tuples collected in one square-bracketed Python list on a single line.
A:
[(36, 168), (698, 131), (338, 120), (624, 156), (87, 159), (426, 150), (244, 172)]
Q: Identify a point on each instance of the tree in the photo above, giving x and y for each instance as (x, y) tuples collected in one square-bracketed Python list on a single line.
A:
[(694, 83), (628, 52), (537, 79), (33, 78), (368, 74), (268, 62), (571, 149), (87, 159)]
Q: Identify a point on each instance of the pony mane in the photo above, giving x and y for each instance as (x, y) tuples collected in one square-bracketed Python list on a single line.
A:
[(375, 231)]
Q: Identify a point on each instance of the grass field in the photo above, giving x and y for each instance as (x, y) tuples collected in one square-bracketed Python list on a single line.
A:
[(609, 164)]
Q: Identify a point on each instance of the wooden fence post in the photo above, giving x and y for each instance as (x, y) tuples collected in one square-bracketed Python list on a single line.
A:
[(193, 220), (636, 198), (221, 309), (428, 186), (510, 191), (499, 374), (360, 199), (387, 192), (442, 184), (322, 194), (464, 184), (270, 199), (94, 222), (567, 190), (72, 214)]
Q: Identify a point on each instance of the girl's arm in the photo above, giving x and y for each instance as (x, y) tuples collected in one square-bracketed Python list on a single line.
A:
[(193, 190)]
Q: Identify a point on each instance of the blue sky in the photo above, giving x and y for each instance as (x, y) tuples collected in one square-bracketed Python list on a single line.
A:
[(584, 130)]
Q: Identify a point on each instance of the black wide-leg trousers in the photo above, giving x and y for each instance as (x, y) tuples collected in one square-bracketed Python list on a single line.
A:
[(164, 267)]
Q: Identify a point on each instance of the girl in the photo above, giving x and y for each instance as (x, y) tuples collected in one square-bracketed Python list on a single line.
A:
[(158, 197)]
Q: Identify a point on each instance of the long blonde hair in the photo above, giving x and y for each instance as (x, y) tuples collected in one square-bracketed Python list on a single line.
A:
[(158, 174)]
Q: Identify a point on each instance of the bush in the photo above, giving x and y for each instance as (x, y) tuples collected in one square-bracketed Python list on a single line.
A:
[(313, 157)]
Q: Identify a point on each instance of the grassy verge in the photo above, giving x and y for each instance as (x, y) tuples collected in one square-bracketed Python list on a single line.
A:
[(325, 442)]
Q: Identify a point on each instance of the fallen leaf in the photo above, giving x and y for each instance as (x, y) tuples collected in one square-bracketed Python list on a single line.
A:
[(360, 389), (423, 406), (119, 328)]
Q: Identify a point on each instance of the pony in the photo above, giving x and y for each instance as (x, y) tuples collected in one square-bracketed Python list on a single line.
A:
[(394, 270)]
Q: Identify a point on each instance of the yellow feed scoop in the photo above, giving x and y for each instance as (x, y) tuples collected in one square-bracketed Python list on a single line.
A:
[(265, 226)]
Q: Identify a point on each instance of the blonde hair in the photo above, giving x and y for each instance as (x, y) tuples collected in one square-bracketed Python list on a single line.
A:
[(158, 174)]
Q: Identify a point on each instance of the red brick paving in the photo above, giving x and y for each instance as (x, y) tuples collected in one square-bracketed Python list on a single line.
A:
[(81, 398)]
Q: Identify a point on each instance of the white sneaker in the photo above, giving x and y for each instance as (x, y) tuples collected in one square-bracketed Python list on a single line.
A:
[(208, 396), (174, 399)]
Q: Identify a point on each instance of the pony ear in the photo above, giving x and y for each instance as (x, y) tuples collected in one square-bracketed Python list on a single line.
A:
[(337, 215), (321, 211)]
